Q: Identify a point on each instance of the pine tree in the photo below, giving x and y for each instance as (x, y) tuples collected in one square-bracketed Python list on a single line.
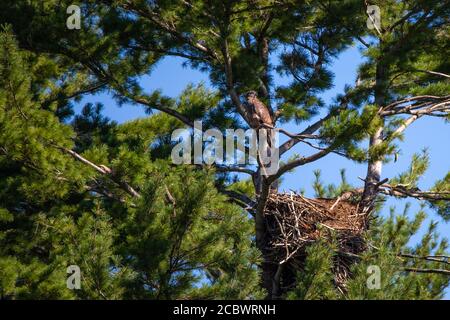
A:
[(57, 211), (105, 196)]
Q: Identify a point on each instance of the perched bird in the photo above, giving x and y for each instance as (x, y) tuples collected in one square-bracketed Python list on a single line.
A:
[(259, 115), (258, 112), (260, 118)]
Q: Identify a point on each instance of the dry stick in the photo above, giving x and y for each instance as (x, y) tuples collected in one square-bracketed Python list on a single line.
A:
[(335, 203), (424, 97), (428, 258), (421, 195), (84, 160), (322, 224), (284, 235), (440, 259), (433, 73), (403, 192), (430, 105), (103, 170)]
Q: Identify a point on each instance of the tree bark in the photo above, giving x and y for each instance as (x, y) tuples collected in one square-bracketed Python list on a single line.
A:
[(375, 164), (373, 175)]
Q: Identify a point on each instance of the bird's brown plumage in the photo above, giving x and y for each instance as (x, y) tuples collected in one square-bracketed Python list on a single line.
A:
[(259, 113)]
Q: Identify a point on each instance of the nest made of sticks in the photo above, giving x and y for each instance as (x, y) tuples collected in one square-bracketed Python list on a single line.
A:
[(294, 222)]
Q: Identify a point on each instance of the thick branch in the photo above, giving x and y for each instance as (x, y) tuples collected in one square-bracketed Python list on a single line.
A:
[(400, 191), (234, 169), (89, 89), (418, 105), (305, 133), (375, 163), (438, 271), (250, 204), (300, 161), (169, 111), (441, 74), (167, 27)]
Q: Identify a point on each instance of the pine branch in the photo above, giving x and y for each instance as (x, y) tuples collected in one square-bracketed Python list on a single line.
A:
[(106, 193), (106, 76), (438, 258), (401, 191), (242, 199), (342, 154), (437, 271), (305, 133), (234, 169), (299, 162), (363, 42), (168, 52), (418, 105), (279, 5), (169, 28), (289, 134), (223, 168), (92, 88), (431, 258), (402, 19), (441, 74), (103, 170), (169, 111)]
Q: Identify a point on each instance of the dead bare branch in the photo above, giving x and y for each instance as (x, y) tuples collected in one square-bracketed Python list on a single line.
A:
[(401, 191), (438, 258), (418, 105), (103, 170), (418, 270)]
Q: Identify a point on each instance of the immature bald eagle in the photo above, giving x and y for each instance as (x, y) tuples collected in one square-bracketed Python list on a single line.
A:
[(258, 112), (259, 115)]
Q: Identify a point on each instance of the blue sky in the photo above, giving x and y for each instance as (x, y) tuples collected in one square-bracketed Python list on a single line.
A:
[(171, 77)]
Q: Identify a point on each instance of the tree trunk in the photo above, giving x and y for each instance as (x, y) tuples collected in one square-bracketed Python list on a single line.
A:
[(373, 175), (375, 164), (272, 272)]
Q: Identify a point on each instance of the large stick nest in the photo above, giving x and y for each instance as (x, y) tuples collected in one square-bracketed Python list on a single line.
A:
[(294, 222)]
